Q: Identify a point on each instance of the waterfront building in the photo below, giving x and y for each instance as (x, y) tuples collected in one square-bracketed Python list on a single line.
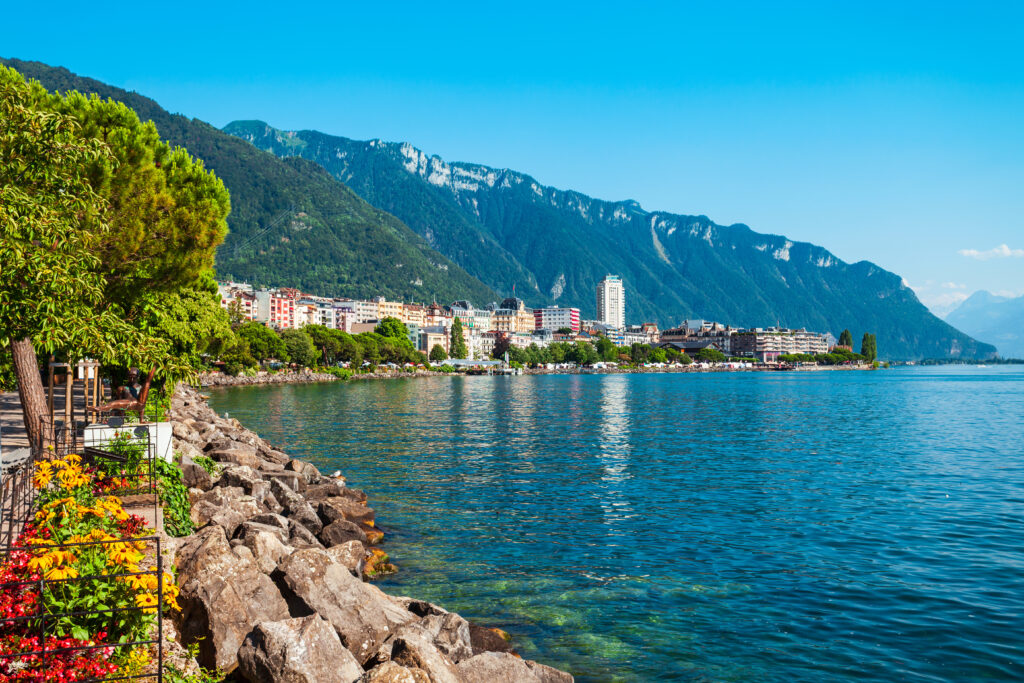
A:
[(555, 318), (276, 308), (438, 316), (767, 344), (611, 302), (240, 293), (700, 331), (429, 336)]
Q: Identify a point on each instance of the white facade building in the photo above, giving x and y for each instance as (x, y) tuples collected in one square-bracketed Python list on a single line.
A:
[(611, 302)]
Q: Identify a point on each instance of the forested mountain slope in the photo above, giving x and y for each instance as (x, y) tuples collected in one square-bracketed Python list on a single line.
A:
[(505, 228)]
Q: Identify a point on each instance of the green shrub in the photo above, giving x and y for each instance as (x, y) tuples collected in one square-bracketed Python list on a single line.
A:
[(174, 497)]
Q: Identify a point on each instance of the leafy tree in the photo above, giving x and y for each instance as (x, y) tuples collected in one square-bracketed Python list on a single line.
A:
[(458, 342), (639, 353), (349, 350), (326, 340), (264, 343), (299, 347), (52, 221), (392, 328), (502, 344), (846, 338), (685, 359), (438, 354), (582, 353), (606, 349), (657, 355), (710, 355), (237, 358), (563, 330), (236, 316), (868, 346)]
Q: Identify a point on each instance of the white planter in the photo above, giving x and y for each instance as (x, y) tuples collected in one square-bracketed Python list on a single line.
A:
[(99, 435)]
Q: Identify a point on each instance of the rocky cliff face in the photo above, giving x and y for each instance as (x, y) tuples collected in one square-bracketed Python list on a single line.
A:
[(273, 582), (506, 228)]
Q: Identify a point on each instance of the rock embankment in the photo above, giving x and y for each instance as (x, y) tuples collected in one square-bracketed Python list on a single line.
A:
[(273, 583), (219, 379)]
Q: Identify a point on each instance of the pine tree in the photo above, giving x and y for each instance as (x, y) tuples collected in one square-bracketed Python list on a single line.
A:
[(868, 346), (458, 342), (846, 339)]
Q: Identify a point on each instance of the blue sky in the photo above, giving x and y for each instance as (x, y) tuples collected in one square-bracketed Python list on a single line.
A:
[(882, 132)]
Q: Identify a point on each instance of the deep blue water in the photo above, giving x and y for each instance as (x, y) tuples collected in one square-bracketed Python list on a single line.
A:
[(708, 527)]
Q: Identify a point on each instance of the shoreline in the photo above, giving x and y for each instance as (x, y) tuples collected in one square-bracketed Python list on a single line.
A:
[(281, 559), (221, 380)]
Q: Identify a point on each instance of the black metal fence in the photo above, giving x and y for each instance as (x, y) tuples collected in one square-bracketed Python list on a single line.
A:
[(47, 624)]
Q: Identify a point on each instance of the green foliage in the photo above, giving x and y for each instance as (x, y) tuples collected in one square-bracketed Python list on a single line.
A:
[(606, 350), (174, 674), (437, 353), (685, 359), (52, 223), (710, 355), (264, 343), (657, 355), (458, 341), (174, 498), (392, 328), (869, 346), (211, 466), (846, 338), (299, 348), (340, 373)]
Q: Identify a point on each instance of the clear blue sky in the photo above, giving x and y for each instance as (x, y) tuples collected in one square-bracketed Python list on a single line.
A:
[(888, 133)]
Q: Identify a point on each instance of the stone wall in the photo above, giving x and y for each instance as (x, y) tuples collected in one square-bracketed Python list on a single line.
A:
[(274, 582)]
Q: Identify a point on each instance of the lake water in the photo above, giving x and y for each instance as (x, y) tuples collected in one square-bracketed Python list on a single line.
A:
[(707, 527)]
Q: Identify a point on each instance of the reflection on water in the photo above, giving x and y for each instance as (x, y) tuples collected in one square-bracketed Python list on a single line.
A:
[(733, 527)]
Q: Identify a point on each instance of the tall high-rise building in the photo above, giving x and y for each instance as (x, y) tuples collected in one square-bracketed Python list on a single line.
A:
[(611, 301)]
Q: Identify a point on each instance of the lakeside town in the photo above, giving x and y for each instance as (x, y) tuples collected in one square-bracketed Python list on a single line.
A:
[(511, 327)]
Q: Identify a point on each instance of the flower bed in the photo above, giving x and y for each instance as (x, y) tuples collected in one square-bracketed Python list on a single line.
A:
[(81, 589)]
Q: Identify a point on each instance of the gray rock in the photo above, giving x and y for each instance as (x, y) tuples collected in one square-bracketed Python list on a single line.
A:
[(329, 488), (222, 596), (389, 672), (293, 480), (496, 667), (193, 475), (304, 650), (237, 456), (352, 555), (413, 647), (301, 537), (333, 509), (227, 507), (267, 549), (247, 479), (360, 613), (341, 531), (548, 674), (295, 506)]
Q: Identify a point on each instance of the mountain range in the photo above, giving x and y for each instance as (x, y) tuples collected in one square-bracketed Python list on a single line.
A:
[(555, 245), (340, 217), (998, 320)]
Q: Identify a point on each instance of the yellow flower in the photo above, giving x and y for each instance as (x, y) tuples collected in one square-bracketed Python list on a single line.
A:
[(147, 601), (58, 573), (123, 554), (73, 458), (145, 582)]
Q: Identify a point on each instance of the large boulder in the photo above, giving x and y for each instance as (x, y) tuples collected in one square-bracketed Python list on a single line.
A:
[(194, 476), (341, 531), (390, 672), (293, 480), (413, 647), (362, 615), (496, 667), (295, 506), (267, 550), (247, 479), (548, 674), (305, 650), (352, 555), (237, 454), (222, 596), (225, 506), (340, 507)]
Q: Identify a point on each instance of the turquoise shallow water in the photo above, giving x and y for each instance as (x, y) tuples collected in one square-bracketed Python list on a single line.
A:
[(707, 527)]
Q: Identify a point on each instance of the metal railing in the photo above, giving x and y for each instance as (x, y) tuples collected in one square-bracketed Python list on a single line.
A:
[(47, 624)]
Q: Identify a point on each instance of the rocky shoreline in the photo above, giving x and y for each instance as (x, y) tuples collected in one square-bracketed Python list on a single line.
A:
[(274, 581)]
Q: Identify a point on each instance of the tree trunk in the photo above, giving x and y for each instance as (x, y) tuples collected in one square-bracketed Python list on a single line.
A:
[(30, 388)]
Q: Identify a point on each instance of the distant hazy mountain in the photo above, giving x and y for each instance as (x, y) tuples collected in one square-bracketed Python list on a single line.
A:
[(291, 223), (995, 319), (505, 228)]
